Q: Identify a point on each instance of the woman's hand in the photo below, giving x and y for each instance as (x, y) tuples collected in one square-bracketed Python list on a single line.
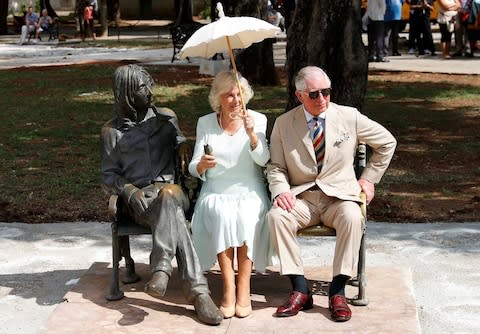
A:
[(207, 161), (249, 124)]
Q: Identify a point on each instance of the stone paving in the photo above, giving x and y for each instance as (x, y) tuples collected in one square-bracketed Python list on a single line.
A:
[(422, 278), (64, 53)]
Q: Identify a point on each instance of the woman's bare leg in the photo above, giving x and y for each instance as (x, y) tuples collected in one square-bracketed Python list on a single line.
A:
[(243, 306), (225, 261)]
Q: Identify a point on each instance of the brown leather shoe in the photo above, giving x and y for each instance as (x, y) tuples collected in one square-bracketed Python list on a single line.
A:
[(296, 302), (339, 310)]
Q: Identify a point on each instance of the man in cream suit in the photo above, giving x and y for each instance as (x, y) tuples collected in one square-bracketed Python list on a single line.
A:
[(310, 186)]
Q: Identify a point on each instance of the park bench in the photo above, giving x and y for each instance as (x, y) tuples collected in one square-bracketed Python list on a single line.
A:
[(122, 228), (180, 34), (53, 31)]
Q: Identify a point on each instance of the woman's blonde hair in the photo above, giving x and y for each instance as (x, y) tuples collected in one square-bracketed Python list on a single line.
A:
[(223, 83)]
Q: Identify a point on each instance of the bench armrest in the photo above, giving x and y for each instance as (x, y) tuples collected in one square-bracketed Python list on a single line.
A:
[(112, 207)]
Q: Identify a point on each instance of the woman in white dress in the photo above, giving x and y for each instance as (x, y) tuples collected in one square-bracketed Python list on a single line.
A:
[(229, 215)]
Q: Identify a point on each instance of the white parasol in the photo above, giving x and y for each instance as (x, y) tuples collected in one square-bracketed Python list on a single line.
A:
[(227, 33)]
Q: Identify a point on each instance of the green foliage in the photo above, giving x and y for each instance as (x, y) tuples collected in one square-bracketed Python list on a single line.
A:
[(206, 13)]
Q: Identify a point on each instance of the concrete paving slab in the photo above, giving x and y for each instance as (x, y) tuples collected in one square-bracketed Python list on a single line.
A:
[(85, 309), (41, 263)]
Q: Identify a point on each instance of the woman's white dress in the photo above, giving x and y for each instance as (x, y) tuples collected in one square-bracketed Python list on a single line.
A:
[(233, 202)]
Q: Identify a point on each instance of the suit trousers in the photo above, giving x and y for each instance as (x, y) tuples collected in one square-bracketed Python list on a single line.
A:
[(313, 207)]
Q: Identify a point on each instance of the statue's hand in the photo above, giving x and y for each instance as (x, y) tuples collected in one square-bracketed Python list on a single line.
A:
[(138, 202), (135, 198), (184, 157)]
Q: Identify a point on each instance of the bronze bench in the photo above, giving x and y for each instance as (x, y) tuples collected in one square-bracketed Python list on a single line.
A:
[(123, 228), (180, 35)]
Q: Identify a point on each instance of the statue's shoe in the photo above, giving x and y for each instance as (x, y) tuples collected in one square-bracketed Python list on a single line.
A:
[(157, 285), (206, 309)]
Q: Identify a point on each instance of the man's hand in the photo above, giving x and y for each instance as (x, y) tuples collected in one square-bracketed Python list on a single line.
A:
[(368, 188), (285, 201)]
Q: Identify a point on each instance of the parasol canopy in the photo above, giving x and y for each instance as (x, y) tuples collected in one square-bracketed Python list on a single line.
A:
[(226, 34)]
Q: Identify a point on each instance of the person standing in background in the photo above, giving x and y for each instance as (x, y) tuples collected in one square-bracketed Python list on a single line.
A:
[(89, 28), (427, 35), (375, 13), (462, 47), (446, 20), (392, 18)]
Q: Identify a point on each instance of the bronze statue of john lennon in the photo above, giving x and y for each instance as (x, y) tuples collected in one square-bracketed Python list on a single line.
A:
[(138, 164)]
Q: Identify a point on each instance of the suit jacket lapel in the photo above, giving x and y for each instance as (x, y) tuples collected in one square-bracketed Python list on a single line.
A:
[(301, 129), (330, 131)]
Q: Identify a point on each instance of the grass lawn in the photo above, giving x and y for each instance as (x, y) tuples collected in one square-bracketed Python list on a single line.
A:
[(51, 119)]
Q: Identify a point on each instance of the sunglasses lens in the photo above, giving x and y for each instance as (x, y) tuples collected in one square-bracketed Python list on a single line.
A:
[(326, 91)]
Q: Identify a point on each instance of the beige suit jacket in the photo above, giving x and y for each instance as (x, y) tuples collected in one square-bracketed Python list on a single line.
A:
[(293, 166)]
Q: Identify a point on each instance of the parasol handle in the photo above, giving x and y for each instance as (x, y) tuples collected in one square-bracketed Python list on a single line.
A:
[(230, 52)]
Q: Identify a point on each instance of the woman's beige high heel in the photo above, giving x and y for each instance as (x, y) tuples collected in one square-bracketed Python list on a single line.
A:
[(227, 311), (243, 311)]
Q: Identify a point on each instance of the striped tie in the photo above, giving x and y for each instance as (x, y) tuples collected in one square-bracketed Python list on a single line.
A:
[(318, 140)]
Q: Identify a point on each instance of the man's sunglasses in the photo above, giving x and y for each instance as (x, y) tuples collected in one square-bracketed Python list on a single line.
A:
[(325, 92)]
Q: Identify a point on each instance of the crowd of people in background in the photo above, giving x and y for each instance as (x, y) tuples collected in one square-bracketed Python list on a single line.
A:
[(458, 20), (32, 25)]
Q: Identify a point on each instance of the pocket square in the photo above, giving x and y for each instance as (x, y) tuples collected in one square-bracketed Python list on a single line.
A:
[(344, 137)]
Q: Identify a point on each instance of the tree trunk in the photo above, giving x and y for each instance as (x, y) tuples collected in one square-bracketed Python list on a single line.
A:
[(145, 9), (113, 10), (183, 12), (3, 17), (327, 34), (50, 10), (256, 62), (103, 18)]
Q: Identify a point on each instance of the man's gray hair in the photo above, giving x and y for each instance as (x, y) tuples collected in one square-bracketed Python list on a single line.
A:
[(306, 72)]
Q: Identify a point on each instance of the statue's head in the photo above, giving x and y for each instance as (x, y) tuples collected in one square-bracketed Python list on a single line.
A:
[(132, 89)]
